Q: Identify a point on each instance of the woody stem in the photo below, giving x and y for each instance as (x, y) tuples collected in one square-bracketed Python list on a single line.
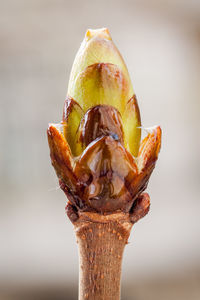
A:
[(101, 241)]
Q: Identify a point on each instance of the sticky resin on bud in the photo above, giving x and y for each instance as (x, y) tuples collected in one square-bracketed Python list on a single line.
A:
[(100, 120)]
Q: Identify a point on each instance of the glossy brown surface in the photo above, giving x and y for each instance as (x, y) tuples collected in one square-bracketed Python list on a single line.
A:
[(105, 170), (140, 208), (61, 156), (101, 120), (105, 178)]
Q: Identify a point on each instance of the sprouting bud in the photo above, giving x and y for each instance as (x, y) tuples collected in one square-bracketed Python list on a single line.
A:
[(96, 151), (97, 47), (99, 76)]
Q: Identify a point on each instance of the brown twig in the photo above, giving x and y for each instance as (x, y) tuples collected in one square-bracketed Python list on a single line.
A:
[(101, 240)]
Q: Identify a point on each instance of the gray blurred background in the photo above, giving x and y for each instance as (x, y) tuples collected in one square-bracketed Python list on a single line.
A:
[(160, 42)]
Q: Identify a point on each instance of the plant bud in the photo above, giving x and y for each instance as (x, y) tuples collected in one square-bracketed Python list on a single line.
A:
[(97, 47), (96, 151)]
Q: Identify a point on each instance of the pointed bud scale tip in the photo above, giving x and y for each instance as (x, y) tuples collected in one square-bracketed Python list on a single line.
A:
[(132, 126), (72, 114)]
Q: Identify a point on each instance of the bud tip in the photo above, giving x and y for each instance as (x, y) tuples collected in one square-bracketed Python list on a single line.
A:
[(101, 33)]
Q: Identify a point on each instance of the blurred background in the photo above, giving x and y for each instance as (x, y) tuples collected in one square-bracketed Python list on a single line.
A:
[(160, 42)]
